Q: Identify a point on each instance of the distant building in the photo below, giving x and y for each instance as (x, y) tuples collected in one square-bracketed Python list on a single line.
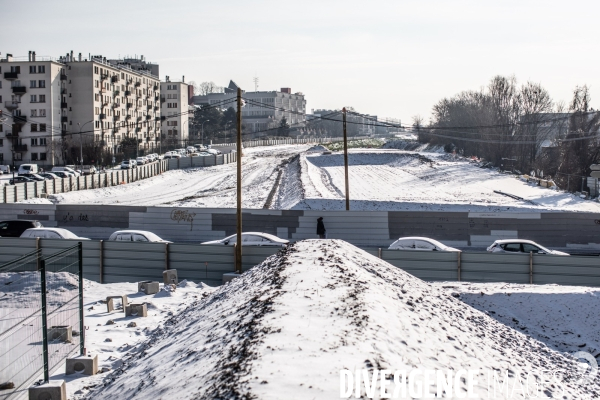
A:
[(175, 112), (264, 110)]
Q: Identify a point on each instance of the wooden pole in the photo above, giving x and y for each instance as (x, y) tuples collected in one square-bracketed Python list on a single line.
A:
[(346, 162), (238, 248)]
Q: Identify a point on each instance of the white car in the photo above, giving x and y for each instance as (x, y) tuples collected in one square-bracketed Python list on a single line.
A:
[(252, 239), (51, 233), (141, 160), (67, 170), (126, 164), (421, 244), (521, 246), (136, 236)]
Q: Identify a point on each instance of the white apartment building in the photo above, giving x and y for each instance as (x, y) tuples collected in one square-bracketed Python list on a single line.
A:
[(175, 112), (265, 109), (113, 100), (30, 101)]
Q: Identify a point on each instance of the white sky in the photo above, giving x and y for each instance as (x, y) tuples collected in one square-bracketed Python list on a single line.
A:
[(389, 58)]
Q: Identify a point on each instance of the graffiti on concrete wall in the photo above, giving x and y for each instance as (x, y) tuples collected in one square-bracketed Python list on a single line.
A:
[(183, 215)]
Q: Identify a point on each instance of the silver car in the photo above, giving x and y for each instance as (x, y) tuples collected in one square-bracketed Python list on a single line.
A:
[(521, 246)]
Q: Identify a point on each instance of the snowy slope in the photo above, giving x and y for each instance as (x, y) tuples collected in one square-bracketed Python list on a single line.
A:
[(286, 328)]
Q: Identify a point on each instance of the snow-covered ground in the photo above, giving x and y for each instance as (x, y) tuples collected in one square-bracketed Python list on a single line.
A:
[(288, 327), (380, 179)]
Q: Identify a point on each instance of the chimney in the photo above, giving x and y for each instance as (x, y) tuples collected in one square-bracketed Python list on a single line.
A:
[(29, 55), (79, 57), (286, 90), (183, 79), (71, 59), (33, 56)]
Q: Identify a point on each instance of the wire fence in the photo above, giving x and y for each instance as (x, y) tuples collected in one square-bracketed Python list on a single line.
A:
[(41, 316)]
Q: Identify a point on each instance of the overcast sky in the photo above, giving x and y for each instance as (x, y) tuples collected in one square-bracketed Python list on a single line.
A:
[(390, 58)]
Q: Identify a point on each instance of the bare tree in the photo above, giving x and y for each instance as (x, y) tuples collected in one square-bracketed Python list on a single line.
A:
[(209, 87), (195, 86)]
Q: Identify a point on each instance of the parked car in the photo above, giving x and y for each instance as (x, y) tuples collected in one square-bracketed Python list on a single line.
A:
[(420, 243), (5, 169), (51, 233), (126, 164), (28, 169), (173, 155), (62, 174), (34, 177), (19, 179), (89, 170), (252, 239), (68, 170), (136, 236), (49, 175), (15, 228), (141, 160), (133, 163), (205, 154), (521, 246), (213, 151)]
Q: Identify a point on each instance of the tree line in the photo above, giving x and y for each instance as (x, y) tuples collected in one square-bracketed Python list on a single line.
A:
[(518, 127)]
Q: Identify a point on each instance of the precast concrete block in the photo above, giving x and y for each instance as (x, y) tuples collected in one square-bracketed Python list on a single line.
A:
[(82, 365), (136, 310), (53, 390), (170, 276), (63, 333), (110, 304), (148, 287)]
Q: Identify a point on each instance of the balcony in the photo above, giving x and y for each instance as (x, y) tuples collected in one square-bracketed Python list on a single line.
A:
[(14, 132), (138, 84), (162, 99), (115, 105), (19, 119), (129, 105), (20, 148), (116, 117), (104, 77), (128, 117), (102, 90), (139, 118), (19, 89), (63, 105), (128, 93), (149, 107), (11, 76), (64, 119), (63, 77), (11, 105), (63, 91), (114, 78), (116, 93), (156, 108), (138, 129), (155, 87), (156, 98), (148, 117), (102, 116)]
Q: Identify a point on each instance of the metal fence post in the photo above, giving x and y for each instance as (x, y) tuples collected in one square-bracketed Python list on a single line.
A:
[(101, 261), (459, 253), (44, 321), (81, 326), (166, 255), (379, 252), (531, 267)]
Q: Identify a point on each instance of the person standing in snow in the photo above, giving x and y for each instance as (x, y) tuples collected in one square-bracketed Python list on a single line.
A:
[(321, 228)]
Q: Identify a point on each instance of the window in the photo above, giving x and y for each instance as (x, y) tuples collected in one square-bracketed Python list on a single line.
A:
[(512, 247), (43, 128), (42, 98), (42, 141), (34, 98), (42, 69), (32, 84), (97, 97), (42, 112), (95, 70), (32, 69), (34, 141), (15, 68), (42, 83), (34, 156), (34, 113), (97, 83), (34, 128), (529, 247), (1, 143), (42, 156)]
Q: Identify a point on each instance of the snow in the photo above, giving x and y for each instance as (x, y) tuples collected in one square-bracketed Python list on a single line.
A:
[(380, 180), (287, 327)]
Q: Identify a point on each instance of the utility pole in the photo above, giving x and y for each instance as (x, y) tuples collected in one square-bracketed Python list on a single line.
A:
[(346, 162), (238, 247)]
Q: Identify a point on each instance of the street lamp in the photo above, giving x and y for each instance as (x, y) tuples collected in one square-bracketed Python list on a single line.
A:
[(202, 129), (81, 142)]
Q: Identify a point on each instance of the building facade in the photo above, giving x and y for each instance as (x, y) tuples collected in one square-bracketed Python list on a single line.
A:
[(264, 110), (30, 97), (175, 112)]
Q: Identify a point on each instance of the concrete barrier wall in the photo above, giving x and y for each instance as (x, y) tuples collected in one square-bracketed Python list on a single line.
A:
[(109, 262)]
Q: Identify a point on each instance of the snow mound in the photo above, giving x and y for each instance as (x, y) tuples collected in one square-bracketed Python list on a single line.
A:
[(35, 200), (317, 149), (413, 145), (287, 327)]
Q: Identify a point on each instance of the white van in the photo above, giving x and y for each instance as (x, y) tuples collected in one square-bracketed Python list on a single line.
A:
[(65, 169), (28, 169)]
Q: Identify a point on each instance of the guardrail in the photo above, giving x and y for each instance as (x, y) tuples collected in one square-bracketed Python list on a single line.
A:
[(108, 262)]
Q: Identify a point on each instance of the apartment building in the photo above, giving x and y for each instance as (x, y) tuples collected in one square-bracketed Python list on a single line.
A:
[(265, 109), (113, 100), (175, 112), (30, 100)]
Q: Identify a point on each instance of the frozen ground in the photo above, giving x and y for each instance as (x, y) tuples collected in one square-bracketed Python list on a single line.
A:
[(286, 328), (289, 177)]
